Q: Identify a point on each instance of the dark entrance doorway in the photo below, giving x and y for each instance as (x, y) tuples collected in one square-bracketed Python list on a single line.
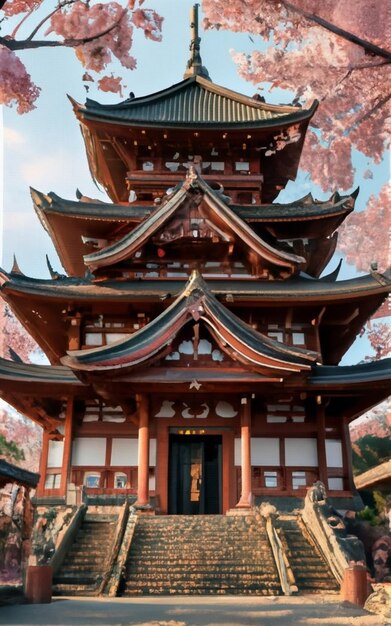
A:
[(194, 474)]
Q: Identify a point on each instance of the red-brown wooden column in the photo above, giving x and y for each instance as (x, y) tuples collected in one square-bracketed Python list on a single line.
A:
[(321, 445), (245, 433), (347, 457), (143, 452), (43, 463), (67, 452)]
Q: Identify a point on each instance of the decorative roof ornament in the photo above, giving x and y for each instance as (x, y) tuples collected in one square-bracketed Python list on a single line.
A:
[(194, 65), (15, 267)]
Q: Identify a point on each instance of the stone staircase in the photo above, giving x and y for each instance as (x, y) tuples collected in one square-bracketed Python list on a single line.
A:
[(311, 572), (84, 565), (201, 554)]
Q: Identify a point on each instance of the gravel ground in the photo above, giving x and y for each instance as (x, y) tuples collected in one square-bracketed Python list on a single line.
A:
[(312, 610)]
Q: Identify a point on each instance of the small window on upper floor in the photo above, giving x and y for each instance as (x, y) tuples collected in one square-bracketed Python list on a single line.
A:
[(271, 479), (53, 481), (217, 166), (298, 339), (120, 480), (242, 166), (299, 480), (92, 480)]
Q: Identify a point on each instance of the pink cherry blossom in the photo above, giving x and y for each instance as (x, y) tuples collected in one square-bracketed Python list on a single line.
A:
[(16, 86), (111, 83)]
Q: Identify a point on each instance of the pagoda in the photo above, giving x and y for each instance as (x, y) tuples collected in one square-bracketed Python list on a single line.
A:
[(194, 342)]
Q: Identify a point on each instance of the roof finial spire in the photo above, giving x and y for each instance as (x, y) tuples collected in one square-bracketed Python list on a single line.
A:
[(194, 65)]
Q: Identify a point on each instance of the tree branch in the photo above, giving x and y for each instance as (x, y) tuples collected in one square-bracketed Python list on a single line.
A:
[(368, 114), (41, 23), (28, 44), (24, 18), (340, 32), (353, 68)]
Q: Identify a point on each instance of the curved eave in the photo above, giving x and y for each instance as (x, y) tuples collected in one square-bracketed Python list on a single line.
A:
[(301, 290), (379, 474), (12, 474), (126, 247), (346, 376), (297, 211), (30, 373), (236, 338), (194, 97), (51, 203)]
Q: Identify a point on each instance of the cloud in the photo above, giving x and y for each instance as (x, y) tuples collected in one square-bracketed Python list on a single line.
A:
[(53, 169), (13, 138)]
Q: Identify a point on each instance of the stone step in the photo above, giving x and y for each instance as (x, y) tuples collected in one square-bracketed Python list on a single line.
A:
[(312, 574), (84, 565), (207, 589), (84, 559), (201, 591), (74, 590), (76, 579), (73, 569), (205, 578)]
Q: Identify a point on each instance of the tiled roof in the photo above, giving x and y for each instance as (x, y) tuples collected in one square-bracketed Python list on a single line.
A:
[(195, 101), (251, 348)]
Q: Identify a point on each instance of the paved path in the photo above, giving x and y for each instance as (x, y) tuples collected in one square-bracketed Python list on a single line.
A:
[(315, 610)]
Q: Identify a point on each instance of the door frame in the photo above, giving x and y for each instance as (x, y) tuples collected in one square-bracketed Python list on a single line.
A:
[(184, 451), (228, 486)]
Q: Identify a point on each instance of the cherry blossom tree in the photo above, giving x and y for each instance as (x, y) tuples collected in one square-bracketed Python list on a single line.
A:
[(339, 53), (335, 51), (15, 342), (97, 31), (364, 237)]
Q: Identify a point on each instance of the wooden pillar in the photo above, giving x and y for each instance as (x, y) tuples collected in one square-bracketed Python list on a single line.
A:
[(143, 452), (347, 457), (321, 445), (245, 433), (67, 452), (74, 332), (43, 463)]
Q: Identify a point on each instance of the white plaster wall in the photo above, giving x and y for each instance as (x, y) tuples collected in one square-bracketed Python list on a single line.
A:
[(55, 453), (336, 484), (334, 456), (89, 451), (264, 451), (301, 452), (125, 452)]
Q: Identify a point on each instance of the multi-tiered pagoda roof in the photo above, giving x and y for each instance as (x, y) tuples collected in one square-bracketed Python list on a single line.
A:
[(194, 286)]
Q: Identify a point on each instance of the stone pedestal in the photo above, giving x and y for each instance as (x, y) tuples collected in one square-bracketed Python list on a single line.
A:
[(354, 587), (38, 588)]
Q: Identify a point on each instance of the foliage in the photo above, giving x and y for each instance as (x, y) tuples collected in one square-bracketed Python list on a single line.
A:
[(10, 450), (370, 451), (14, 336), (353, 234), (97, 31), (312, 55), (380, 503), (369, 515)]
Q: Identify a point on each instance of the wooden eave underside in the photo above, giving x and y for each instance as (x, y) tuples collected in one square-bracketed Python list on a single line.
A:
[(379, 474), (345, 391), (196, 302), (67, 221), (107, 123), (343, 306), (217, 211)]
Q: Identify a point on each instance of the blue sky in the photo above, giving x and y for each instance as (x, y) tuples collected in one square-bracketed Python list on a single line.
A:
[(44, 149)]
